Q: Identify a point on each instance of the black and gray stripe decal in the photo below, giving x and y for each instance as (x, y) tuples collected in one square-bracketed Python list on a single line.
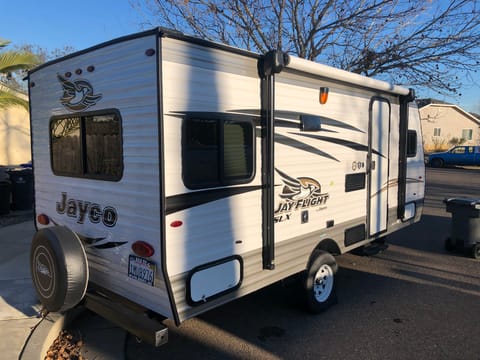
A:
[(342, 142), (294, 115), (91, 242), (184, 201), (284, 140)]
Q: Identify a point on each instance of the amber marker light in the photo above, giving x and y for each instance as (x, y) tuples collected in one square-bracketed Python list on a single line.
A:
[(43, 219), (323, 95), (142, 249)]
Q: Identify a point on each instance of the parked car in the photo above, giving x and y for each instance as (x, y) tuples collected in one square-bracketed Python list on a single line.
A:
[(457, 155)]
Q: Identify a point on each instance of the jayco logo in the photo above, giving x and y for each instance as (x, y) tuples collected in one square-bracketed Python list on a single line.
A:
[(82, 210), (77, 94), (299, 194)]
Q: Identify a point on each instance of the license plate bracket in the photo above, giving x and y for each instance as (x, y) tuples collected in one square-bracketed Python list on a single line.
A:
[(141, 269)]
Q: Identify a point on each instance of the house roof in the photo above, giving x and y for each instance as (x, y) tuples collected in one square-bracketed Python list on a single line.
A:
[(423, 103)]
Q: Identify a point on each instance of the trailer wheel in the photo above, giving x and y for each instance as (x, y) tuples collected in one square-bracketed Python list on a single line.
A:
[(319, 282), (59, 268), (476, 251)]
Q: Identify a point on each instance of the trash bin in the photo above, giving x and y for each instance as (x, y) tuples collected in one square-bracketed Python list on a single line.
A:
[(22, 188), (3, 173), (465, 232), (5, 197)]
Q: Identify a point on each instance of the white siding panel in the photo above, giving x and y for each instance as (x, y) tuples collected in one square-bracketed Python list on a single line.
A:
[(127, 80)]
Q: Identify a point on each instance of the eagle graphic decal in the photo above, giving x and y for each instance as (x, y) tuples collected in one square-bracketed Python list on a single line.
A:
[(297, 194), (77, 94), (299, 188)]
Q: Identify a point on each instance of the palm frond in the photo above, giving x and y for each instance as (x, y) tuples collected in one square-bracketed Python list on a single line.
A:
[(8, 99), (15, 60), (3, 43)]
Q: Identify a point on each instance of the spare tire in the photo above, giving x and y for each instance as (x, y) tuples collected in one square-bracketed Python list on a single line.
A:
[(59, 268)]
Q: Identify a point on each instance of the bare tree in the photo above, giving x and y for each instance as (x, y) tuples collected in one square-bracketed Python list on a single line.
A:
[(422, 43)]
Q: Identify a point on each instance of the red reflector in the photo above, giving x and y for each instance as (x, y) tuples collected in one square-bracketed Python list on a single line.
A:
[(142, 249), (176, 223), (43, 219)]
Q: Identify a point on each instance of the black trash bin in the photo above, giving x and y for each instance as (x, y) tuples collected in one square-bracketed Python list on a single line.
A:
[(465, 225), (5, 191), (22, 188)]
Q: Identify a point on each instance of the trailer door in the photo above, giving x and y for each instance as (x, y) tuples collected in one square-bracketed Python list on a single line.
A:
[(378, 160)]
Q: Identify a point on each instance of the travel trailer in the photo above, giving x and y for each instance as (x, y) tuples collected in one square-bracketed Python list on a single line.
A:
[(173, 175)]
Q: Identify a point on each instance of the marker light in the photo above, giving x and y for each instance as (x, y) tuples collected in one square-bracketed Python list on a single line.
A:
[(142, 249), (176, 223), (323, 95), (43, 219)]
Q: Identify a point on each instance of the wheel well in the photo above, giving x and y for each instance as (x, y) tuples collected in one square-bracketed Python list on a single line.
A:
[(326, 245), (437, 160), (330, 246)]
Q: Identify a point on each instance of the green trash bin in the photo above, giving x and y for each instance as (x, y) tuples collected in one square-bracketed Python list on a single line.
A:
[(22, 188), (5, 197), (465, 225)]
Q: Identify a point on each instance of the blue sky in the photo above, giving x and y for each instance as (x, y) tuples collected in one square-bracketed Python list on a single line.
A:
[(54, 24)]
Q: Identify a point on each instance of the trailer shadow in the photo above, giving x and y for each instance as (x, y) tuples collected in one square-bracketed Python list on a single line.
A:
[(404, 303), (415, 300)]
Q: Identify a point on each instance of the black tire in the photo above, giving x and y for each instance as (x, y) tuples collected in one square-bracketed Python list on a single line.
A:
[(59, 268), (319, 282), (476, 251), (438, 163)]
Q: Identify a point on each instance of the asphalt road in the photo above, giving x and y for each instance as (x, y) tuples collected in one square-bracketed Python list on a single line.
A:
[(414, 301)]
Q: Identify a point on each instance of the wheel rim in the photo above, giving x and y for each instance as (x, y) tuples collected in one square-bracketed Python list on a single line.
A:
[(323, 283), (476, 251)]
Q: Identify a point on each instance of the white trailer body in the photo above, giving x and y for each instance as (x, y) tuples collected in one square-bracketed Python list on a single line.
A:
[(193, 173)]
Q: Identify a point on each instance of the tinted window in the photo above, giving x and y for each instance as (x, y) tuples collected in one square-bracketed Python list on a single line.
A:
[(458, 150), (217, 152), (87, 145)]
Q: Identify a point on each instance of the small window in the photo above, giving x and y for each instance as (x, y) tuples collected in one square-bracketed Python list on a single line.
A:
[(458, 150), (436, 132), (411, 143), (217, 152), (467, 134), (87, 145)]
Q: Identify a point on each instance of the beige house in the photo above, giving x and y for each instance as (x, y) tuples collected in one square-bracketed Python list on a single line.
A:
[(445, 125), (15, 135)]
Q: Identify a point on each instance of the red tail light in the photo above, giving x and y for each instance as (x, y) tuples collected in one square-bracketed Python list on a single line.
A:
[(142, 249), (43, 219)]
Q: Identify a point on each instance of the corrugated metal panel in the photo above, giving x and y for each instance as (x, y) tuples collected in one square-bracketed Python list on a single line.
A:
[(291, 257), (127, 80)]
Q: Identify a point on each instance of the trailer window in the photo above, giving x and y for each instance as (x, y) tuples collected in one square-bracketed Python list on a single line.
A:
[(217, 152), (87, 145), (411, 143)]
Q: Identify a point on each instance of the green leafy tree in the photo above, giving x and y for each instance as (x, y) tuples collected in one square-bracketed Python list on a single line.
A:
[(10, 62)]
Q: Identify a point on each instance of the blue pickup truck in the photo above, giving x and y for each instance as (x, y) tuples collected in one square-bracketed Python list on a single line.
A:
[(457, 155)]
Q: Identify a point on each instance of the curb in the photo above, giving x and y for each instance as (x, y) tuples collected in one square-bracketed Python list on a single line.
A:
[(44, 334)]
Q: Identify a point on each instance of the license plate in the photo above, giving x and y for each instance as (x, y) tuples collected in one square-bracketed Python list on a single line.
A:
[(141, 269)]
